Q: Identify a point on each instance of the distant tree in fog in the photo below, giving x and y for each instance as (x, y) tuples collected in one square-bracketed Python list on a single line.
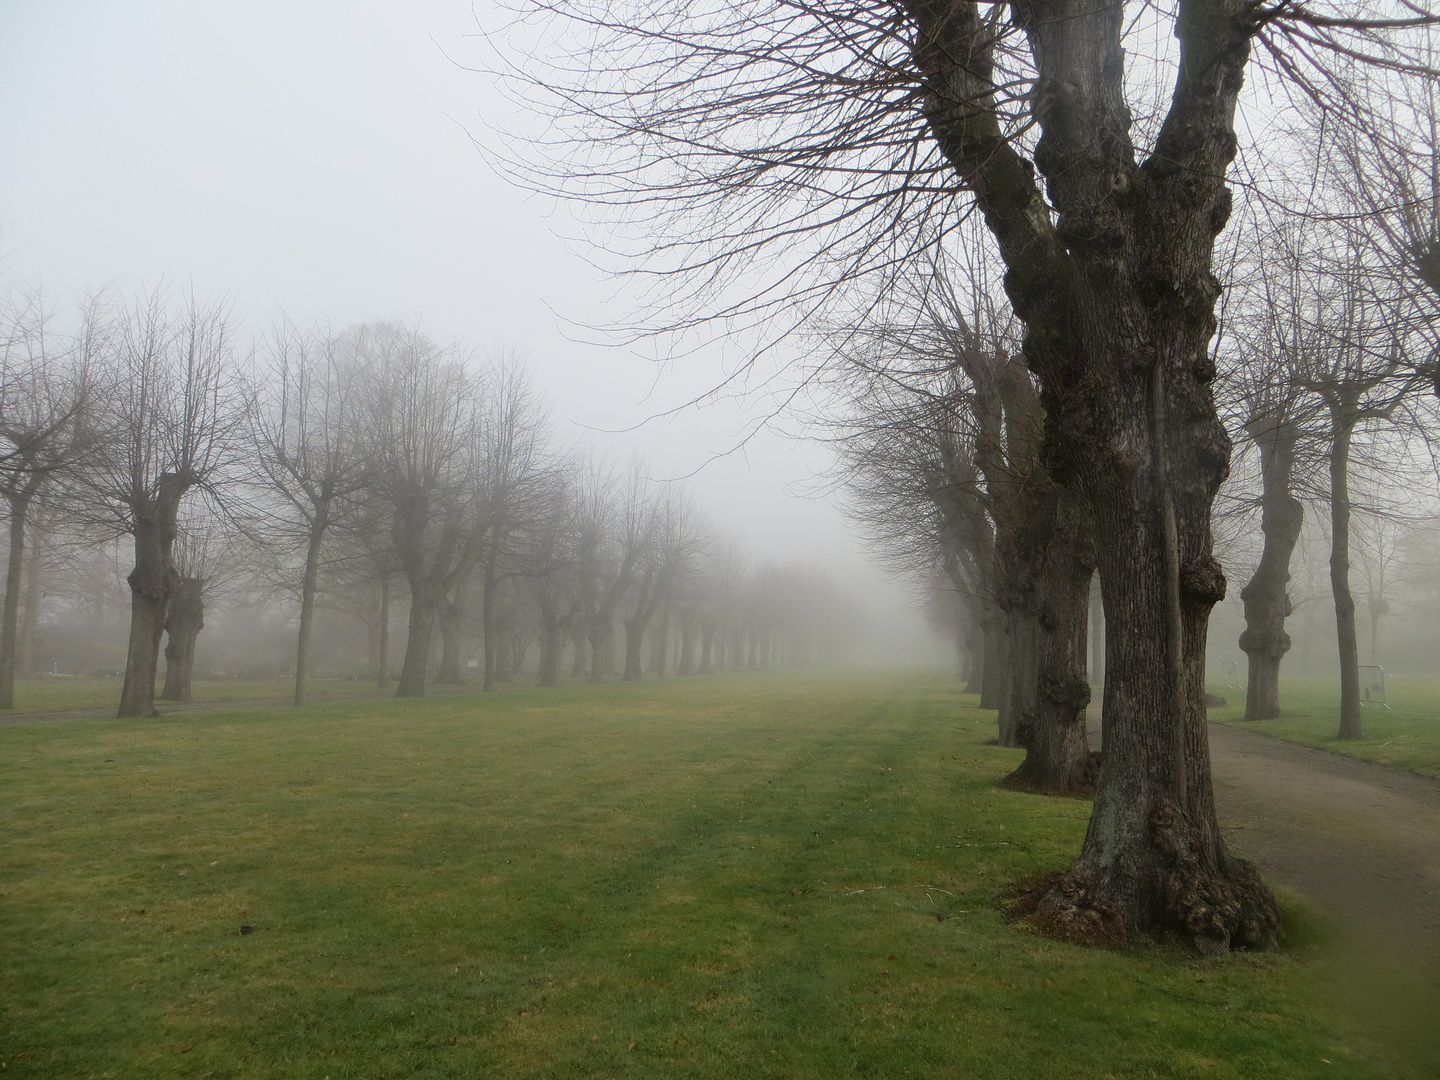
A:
[(421, 414), (45, 391), (307, 430)]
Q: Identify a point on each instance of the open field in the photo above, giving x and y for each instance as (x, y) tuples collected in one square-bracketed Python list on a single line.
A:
[(736, 876), (1407, 735)]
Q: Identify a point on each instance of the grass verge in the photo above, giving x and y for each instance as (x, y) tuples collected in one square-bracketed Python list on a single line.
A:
[(1406, 735), (735, 876)]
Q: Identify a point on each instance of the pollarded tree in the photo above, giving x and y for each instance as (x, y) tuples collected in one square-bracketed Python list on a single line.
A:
[(306, 423), (171, 418), (421, 417)]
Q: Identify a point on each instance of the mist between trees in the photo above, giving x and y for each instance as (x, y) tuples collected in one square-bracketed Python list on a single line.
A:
[(1002, 235), (363, 504)]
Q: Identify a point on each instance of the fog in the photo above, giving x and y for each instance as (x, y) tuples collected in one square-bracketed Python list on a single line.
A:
[(316, 162)]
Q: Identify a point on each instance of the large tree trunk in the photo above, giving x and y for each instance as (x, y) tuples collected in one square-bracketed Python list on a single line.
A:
[(184, 619), (420, 628), (600, 639), (995, 669), (1051, 724), (307, 603), (14, 577), (1267, 597), (634, 636), (579, 642), (1342, 420), (152, 581)]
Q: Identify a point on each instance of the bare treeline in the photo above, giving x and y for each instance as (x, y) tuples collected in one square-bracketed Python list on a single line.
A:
[(366, 471)]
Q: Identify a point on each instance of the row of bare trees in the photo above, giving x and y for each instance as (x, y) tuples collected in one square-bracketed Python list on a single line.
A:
[(330, 468), (781, 157)]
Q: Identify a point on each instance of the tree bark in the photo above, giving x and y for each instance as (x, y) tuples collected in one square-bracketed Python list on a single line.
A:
[(184, 619), (30, 619), (420, 628), (1267, 597), (152, 581), (1051, 723), (1342, 427), (450, 614), (995, 668), (1097, 634)]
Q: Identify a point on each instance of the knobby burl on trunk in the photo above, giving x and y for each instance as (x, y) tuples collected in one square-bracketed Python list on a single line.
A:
[(1267, 596), (1117, 295)]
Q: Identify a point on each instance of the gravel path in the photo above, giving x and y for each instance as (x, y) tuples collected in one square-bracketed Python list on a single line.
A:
[(1362, 839)]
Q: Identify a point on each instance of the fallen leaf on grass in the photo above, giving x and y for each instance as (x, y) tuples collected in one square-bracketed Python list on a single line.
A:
[(247, 928)]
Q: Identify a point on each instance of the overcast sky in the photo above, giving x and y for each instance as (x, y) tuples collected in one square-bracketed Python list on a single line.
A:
[(314, 158)]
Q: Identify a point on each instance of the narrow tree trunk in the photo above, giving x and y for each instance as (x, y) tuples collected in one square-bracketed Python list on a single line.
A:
[(14, 574), (660, 645), (1342, 427), (686, 663), (307, 603), (184, 619), (504, 665), (30, 618), (382, 675), (599, 637), (1267, 597)]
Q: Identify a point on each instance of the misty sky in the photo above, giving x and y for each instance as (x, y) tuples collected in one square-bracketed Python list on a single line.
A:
[(314, 158)]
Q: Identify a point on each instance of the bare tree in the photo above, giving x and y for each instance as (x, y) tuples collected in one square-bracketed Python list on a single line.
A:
[(305, 424), (45, 389), (171, 417)]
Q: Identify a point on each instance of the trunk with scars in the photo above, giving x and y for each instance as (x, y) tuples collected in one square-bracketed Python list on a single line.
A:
[(1118, 299)]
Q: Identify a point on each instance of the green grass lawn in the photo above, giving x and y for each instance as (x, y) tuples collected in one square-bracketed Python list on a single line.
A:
[(1407, 735), (735, 876), (48, 693)]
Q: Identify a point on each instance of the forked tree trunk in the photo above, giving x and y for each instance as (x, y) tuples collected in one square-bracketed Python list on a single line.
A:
[(152, 581), (450, 613), (1052, 720), (1267, 596), (184, 620), (1342, 426)]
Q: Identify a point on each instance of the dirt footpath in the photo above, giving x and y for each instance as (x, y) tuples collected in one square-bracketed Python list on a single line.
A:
[(1362, 839)]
